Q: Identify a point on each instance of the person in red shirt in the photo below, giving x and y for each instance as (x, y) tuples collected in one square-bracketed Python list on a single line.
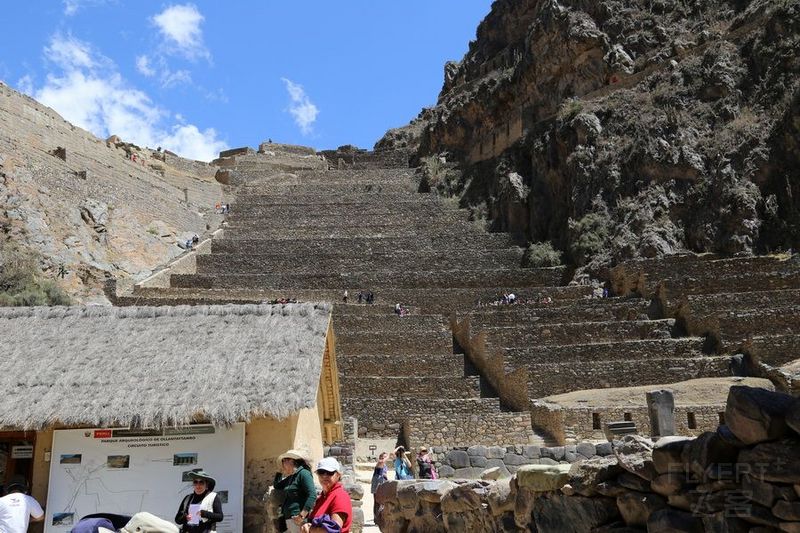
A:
[(334, 500)]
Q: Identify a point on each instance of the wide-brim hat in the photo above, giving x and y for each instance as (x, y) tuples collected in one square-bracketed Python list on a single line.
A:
[(202, 474), (297, 455)]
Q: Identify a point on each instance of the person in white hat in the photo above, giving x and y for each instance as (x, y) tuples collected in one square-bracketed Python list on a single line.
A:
[(297, 484), (334, 504), (17, 509), (200, 510)]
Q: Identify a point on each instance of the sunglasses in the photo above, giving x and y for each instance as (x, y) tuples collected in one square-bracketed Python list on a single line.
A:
[(199, 482), (324, 473)]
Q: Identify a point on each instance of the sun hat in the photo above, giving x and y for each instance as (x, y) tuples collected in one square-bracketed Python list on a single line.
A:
[(202, 474), (297, 455), (329, 464)]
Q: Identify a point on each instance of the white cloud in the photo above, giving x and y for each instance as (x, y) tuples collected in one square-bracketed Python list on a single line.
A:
[(143, 66), (68, 52), (71, 7), (302, 108), (25, 85), (180, 26), (89, 92), (171, 79)]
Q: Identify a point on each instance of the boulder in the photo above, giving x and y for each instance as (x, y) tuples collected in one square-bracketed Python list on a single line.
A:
[(543, 478), (386, 492), (464, 497), (476, 451), (585, 476), (555, 453), (793, 417), (759, 491), (636, 507), (667, 454), (604, 448), (632, 482), (514, 459), (756, 514), (788, 511), (469, 473), (672, 521), (446, 471), (586, 449), (790, 527), (502, 496), (556, 513), (433, 491), (724, 523), (635, 454), (668, 484), (774, 461), (705, 450), (491, 473), (757, 415), (458, 459)]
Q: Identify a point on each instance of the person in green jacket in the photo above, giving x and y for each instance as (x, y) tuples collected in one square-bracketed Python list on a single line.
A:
[(297, 483)]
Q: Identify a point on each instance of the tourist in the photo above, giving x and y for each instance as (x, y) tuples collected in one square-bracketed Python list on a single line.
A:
[(201, 510), (398, 310), (344, 296), (360, 296), (512, 298), (425, 464), (333, 506), (379, 476), (297, 484), (17, 509), (402, 466)]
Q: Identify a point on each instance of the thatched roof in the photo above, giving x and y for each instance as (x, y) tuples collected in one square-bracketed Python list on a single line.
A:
[(158, 366)]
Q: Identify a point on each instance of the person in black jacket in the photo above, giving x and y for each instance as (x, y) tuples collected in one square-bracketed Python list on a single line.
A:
[(201, 510)]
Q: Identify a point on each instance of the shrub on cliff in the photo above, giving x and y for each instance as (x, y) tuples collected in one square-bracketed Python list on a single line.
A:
[(21, 281), (588, 236), (541, 254)]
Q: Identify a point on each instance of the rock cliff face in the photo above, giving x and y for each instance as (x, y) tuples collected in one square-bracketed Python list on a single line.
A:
[(620, 129), (96, 208)]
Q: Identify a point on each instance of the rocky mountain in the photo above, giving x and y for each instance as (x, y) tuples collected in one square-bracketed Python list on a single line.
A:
[(88, 208), (618, 129)]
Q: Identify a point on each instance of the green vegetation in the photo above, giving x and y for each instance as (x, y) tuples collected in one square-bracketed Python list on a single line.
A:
[(541, 254), (570, 109), (588, 236), (22, 283)]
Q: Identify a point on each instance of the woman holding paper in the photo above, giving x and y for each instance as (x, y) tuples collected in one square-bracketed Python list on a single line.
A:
[(201, 510)]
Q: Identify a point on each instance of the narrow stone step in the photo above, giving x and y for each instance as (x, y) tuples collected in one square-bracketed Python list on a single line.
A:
[(445, 365), (393, 342), (421, 387), (566, 334), (580, 354)]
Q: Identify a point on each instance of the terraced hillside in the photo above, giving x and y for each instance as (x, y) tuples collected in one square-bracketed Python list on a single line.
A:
[(456, 371)]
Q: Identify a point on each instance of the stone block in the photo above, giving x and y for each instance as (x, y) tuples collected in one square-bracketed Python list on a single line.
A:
[(502, 496), (668, 484), (633, 482), (571, 448), (491, 473), (788, 511), (464, 498), (433, 491), (458, 459), (671, 520), (561, 513), (587, 475), (514, 459), (547, 461), (446, 471), (495, 452), (661, 409), (476, 451), (531, 452), (635, 454), (386, 492), (636, 507), (668, 454), (707, 449), (570, 457), (478, 461), (757, 415), (468, 473), (543, 478), (555, 453), (586, 449), (604, 449)]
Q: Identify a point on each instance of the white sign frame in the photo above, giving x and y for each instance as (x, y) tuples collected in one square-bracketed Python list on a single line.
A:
[(125, 471)]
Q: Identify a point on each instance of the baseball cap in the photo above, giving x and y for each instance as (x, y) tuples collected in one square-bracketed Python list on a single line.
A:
[(329, 464)]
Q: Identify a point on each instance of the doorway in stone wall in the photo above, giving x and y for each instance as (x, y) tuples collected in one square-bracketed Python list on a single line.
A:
[(16, 456)]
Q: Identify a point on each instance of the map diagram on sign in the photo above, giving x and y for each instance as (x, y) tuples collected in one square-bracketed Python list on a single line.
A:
[(92, 493)]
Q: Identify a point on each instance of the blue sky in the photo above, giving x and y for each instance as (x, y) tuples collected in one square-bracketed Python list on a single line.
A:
[(198, 77)]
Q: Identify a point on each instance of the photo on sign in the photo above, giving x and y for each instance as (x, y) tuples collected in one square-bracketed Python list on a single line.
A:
[(183, 459), (70, 459), (118, 461), (223, 496), (63, 519)]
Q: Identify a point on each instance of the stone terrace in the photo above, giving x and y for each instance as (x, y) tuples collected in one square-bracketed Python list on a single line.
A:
[(312, 233)]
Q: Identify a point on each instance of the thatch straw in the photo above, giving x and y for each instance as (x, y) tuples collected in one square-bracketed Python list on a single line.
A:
[(158, 366)]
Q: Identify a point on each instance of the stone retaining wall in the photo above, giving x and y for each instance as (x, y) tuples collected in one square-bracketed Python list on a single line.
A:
[(742, 477), (470, 462), (459, 429)]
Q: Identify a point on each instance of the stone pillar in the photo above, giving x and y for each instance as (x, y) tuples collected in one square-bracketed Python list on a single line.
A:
[(661, 408)]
